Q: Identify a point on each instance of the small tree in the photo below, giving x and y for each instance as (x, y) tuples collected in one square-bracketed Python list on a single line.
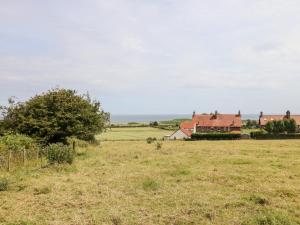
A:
[(269, 127), (281, 126), (278, 127), (56, 115), (290, 125)]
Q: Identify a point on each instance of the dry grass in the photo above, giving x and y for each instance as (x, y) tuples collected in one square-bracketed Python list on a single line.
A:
[(131, 182)]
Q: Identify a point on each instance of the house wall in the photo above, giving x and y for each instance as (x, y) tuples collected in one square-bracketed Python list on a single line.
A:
[(178, 135), (217, 129)]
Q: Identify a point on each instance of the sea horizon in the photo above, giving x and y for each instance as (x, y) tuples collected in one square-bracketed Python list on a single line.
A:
[(147, 118)]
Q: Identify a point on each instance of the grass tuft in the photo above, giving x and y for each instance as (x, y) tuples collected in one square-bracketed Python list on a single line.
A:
[(259, 200), (42, 190), (3, 184), (271, 218), (150, 185)]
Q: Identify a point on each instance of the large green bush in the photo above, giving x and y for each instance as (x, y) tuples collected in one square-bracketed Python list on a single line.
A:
[(215, 136), (59, 153), (56, 115), (281, 126), (261, 135)]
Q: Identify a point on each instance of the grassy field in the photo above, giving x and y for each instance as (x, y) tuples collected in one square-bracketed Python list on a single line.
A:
[(138, 133), (130, 182)]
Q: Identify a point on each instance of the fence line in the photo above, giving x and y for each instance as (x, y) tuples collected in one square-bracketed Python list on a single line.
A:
[(10, 158)]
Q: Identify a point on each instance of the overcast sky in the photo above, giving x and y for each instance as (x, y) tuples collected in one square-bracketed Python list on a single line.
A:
[(155, 56)]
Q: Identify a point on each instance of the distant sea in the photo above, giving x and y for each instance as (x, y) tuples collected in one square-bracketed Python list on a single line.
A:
[(144, 118)]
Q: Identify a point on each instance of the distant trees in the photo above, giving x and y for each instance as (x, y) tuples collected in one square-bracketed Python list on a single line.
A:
[(281, 126), (153, 124), (54, 116), (251, 124)]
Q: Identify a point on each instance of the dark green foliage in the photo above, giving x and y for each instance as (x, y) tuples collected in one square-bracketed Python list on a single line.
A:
[(55, 115), (215, 136), (2, 128), (3, 184), (261, 135), (258, 200), (150, 140), (281, 126), (59, 153), (153, 124), (18, 142), (158, 145), (290, 126)]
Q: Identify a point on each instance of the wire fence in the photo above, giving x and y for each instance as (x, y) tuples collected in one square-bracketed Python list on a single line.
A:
[(13, 159)]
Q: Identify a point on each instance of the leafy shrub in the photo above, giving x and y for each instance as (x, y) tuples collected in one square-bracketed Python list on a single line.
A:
[(17, 142), (259, 135), (150, 140), (54, 116), (158, 145), (215, 136), (281, 126), (59, 153), (3, 184)]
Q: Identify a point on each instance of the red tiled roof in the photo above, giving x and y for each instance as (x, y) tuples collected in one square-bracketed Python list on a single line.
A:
[(187, 125), (219, 120), (212, 120), (267, 118), (187, 132)]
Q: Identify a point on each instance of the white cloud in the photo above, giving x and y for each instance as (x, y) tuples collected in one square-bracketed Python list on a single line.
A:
[(152, 49)]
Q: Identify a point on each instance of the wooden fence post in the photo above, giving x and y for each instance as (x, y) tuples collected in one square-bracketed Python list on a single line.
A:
[(41, 155), (8, 160), (74, 146), (24, 156)]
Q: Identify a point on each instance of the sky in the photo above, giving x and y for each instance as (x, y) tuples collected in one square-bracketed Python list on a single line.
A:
[(155, 56)]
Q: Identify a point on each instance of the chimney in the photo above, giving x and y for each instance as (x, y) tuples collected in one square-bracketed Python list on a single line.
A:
[(239, 113), (261, 114), (194, 113), (216, 112), (288, 114)]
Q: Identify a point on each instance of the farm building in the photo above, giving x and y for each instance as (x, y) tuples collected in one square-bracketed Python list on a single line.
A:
[(264, 119), (179, 134)]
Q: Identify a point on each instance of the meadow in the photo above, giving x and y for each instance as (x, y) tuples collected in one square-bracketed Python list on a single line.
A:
[(131, 182), (134, 133)]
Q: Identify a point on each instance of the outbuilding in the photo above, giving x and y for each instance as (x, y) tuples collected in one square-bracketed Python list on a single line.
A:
[(179, 135)]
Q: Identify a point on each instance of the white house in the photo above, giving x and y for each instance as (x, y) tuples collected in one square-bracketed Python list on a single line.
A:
[(179, 135)]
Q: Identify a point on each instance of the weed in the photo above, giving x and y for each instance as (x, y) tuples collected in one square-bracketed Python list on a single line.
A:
[(3, 184), (158, 145), (270, 218), (258, 200), (116, 220), (150, 185), (42, 190)]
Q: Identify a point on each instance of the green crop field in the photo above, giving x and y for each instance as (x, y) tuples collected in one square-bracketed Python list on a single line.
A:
[(137, 133), (131, 182)]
